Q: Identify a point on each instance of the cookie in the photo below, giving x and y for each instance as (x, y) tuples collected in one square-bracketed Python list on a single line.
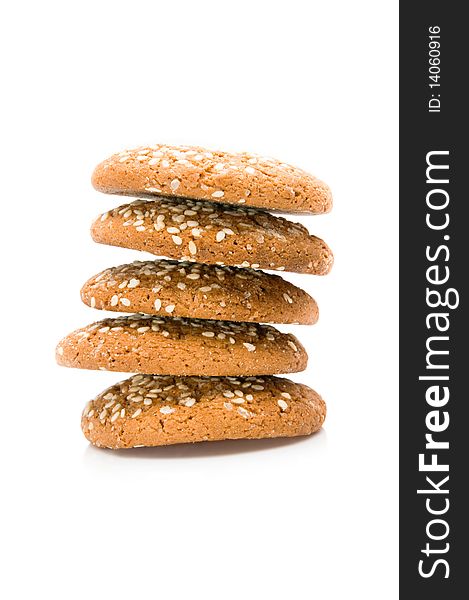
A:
[(215, 234), (193, 172), (175, 346), (155, 410), (185, 289)]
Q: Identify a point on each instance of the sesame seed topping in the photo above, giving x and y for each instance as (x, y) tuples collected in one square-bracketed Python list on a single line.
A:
[(249, 397), (167, 410), (174, 183), (142, 329), (249, 347), (292, 346), (60, 351), (93, 302), (243, 412), (114, 300), (209, 334), (283, 405), (286, 395), (170, 308), (133, 283), (287, 298), (137, 413), (177, 240), (125, 301), (220, 236), (157, 304), (192, 248), (218, 194)]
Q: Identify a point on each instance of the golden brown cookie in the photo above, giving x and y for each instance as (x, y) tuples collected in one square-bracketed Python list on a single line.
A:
[(215, 234), (185, 289), (193, 172), (175, 346), (155, 410)]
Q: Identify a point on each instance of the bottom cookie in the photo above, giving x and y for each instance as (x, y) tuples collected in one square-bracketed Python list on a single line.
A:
[(158, 410)]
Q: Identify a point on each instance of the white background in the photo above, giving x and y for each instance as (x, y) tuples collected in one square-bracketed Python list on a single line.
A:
[(312, 83)]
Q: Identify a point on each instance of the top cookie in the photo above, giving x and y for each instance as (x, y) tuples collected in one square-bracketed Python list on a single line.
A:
[(197, 173)]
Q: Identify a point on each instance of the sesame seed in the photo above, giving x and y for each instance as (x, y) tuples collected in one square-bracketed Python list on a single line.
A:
[(170, 308), (142, 329), (173, 230), (239, 393), (103, 414), (250, 170), (166, 410), (205, 288), (238, 400), (249, 397), (114, 300), (122, 285), (175, 183), (228, 405), (208, 334), (104, 329), (60, 351), (257, 387), (147, 401), (181, 285), (287, 298), (192, 247), (125, 301), (133, 283), (90, 426), (193, 276), (104, 216), (286, 395), (243, 412), (188, 402), (218, 194), (232, 340), (292, 345), (228, 394), (140, 228), (157, 304), (196, 232), (177, 240), (93, 302), (250, 347), (136, 413), (283, 405), (114, 417), (122, 413), (220, 236)]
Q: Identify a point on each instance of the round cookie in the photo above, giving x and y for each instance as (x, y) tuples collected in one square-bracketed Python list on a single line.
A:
[(185, 289), (175, 346), (213, 234), (194, 172), (155, 410)]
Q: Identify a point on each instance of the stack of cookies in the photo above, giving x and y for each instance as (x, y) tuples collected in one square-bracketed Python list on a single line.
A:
[(198, 341)]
